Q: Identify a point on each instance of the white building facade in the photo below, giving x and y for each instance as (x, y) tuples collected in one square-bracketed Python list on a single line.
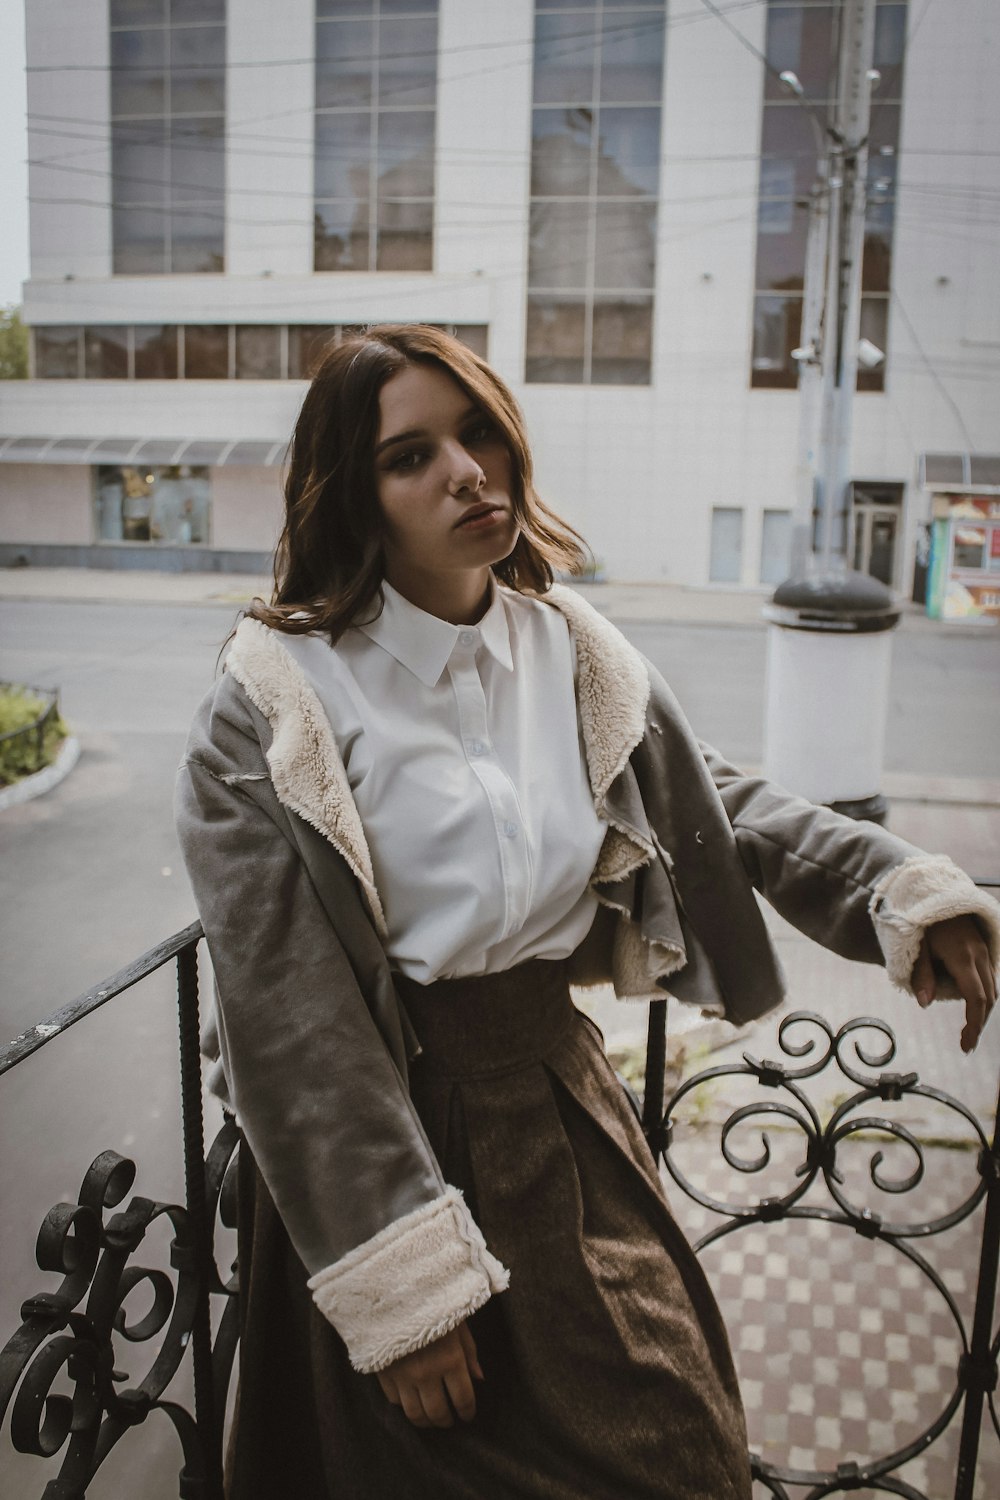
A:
[(605, 198)]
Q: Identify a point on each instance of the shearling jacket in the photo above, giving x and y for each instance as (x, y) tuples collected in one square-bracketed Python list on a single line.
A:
[(313, 1042)]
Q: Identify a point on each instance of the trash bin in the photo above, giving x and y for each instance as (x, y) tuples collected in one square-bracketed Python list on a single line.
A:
[(828, 660)]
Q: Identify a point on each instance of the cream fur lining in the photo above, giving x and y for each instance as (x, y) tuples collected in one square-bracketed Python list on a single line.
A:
[(306, 766), (412, 1282), (925, 889), (613, 690)]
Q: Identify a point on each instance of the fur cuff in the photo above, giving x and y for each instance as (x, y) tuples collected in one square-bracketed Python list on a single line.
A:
[(409, 1284), (921, 891)]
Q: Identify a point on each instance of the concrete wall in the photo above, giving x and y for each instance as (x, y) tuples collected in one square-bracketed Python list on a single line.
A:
[(246, 508), (637, 470)]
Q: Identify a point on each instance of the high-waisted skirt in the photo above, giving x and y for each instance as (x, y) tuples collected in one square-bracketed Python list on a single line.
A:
[(608, 1373)]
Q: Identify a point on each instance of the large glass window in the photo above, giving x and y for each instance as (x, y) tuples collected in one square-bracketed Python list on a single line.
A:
[(803, 38), (169, 505), (595, 174), (216, 351), (376, 90), (168, 77)]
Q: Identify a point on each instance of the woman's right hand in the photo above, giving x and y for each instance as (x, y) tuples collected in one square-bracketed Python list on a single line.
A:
[(425, 1382)]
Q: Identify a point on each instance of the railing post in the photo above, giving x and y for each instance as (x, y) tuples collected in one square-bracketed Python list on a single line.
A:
[(656, 1067), (192, 1121), (979, 1371)]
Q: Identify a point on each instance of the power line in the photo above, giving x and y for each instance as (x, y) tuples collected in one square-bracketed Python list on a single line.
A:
[(932, 372)]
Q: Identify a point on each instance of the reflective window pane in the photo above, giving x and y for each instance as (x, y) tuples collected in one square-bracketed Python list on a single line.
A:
[(57, 352), (776, 327), (628, 151), (561, 152), (787, 136), (140, 244), (197, 69), (306, 346), (105, 353), (258, 352), (775, 546), (555, 340), (345, 7), (341, 236), (622, 341), (343, 155), (197, 238), (139, 166), (408, 7), (197, 159), (405, 161), (625, 246), (134, 92), (344, 55), (632, 57), (726, 557), (155, 351), (129, 12), (565, 57), (890, 45), (206, 351), (407, 67), (197, 10), (800, 39), (558, 246), (405, 236)]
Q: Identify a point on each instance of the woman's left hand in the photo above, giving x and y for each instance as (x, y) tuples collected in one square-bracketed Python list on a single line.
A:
[(958, 945)]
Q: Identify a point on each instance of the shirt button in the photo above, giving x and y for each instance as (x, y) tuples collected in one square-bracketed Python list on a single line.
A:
[(468, 637), (510, 829), (476, 747)]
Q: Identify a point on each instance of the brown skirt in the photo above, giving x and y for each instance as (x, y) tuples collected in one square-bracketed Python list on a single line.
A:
[(608, 1371)]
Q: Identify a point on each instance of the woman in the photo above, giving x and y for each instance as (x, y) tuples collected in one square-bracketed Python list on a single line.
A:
[(430, 790)]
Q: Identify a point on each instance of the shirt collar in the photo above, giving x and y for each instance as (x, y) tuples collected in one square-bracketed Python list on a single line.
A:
[(423, 644)]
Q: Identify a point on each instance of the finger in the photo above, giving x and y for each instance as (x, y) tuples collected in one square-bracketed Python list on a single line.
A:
[(987, 976), (469, 1349), (413, 1406), (435, 1404), (923, 975), (976, 1009), (390, 1390), (458, 1384)]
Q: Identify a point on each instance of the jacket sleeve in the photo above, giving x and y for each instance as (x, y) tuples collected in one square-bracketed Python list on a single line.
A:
[(852, 886), (395, 1258)]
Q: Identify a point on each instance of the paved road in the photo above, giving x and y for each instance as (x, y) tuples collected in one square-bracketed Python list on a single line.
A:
[(90, 874)]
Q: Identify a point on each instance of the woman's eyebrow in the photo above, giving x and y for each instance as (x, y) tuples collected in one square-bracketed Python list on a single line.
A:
[(420, 432)]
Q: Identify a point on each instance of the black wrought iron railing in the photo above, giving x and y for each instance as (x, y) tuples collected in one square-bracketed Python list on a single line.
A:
[(76, 1333)]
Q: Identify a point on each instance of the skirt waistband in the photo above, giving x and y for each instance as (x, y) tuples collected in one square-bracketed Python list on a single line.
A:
[(490, 1023)]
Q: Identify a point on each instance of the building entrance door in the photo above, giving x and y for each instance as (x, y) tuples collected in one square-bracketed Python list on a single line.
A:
[(876, 517)]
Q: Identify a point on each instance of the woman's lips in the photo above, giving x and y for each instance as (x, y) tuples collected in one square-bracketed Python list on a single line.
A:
[(477, 520)]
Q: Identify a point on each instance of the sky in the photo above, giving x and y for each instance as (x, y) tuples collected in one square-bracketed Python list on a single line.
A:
[(13, 152)]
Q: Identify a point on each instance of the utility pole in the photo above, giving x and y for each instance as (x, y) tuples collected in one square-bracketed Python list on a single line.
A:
[(846, 191), (829, 645)]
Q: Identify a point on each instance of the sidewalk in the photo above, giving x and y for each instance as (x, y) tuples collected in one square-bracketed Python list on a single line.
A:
[(647, 602)]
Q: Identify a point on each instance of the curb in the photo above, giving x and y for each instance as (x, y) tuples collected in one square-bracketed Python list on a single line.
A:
[(42, 781)]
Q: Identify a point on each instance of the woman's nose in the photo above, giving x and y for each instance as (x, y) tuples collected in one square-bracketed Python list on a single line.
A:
[(464, 473)]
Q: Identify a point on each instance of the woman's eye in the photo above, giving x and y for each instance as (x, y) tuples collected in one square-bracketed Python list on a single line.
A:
[(480, 432), (407, 460)]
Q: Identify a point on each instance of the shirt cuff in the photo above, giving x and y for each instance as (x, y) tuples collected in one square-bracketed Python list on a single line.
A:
[(923, 890), (409, 1284)]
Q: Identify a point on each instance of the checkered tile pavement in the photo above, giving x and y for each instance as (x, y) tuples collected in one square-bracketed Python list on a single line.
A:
[(844, 1348)]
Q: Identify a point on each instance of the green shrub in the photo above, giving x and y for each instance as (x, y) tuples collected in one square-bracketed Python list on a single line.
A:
[(19, 708)]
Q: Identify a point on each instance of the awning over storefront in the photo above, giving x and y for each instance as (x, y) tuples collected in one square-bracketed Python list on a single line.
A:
[(211, 453)]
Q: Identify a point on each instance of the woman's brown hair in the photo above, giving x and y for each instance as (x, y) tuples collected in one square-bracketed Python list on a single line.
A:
[(328, 566)]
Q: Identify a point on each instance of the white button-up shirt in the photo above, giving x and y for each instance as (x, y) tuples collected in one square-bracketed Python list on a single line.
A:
[(463, 751)]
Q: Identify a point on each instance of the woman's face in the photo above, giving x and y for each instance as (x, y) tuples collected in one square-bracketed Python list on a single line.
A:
[(443, 480)]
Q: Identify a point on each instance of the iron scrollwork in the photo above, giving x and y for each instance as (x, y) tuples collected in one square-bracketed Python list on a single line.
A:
[(861, 1050), (69, 1335)]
